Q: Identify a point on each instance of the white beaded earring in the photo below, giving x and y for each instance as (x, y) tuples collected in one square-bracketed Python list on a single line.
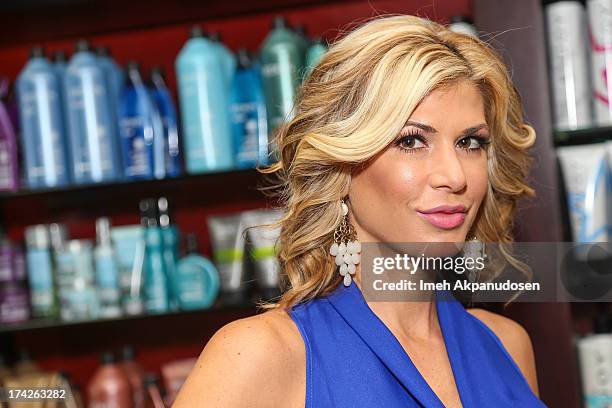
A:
[(346, 248), (474, 248)]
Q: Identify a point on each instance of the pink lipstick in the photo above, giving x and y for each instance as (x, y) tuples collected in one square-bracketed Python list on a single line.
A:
[(445, 216)]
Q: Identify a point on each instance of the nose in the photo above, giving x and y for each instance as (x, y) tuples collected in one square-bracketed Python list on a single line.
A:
[(446, 169)]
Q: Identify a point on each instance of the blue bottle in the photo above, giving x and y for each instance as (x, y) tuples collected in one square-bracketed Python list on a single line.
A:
[(203, 97), (165, 106), (156, 288), (248, 114), (43, 138), (228, 58), (141, 130), (93, 141)]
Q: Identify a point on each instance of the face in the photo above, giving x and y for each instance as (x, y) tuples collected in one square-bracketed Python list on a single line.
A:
[(429, 183)]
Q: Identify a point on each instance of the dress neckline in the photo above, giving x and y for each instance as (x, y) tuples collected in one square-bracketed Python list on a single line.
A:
[(351, 305)]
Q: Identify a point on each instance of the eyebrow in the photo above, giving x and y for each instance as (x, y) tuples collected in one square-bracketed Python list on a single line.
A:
[(430, 129)]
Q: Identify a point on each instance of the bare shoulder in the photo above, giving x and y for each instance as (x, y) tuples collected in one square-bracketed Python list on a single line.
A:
[(252, 362), (515, 339)]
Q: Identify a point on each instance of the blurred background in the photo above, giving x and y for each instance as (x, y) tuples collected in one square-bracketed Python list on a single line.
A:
[(129, 136)]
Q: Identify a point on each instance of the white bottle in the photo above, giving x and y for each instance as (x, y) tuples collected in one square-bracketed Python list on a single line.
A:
[(600, 38), (569, 64), (595, 357)]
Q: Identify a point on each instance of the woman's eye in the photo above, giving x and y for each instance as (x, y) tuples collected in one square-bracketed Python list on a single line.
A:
[(471, 143), (411, 143)]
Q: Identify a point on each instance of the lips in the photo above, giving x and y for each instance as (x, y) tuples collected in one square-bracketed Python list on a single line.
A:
[(445, 216)]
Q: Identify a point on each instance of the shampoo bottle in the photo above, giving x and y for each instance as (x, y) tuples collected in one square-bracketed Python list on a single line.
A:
[(39, 264), (248, 110), (197, 277), (110, 386), (93, 140), (141, 129), (107, 271), (155, 277), (282, 59), (165, 106), (42, 124), (203, 96), (170, 238)]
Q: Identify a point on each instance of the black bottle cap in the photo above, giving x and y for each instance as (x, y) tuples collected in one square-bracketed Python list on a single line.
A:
[(461, 19), (107, 357), (133, 65), (148, 212), (300, 29), (82, 46), (197, 32), (157, 70), (102, 51), (128, 353), (191, 245), (215, 36), (602, 324), (279, 22), (244, 58), (59, 56), (37, 52)]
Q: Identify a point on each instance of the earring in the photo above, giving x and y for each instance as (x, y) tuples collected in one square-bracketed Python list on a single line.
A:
[(474, 248), (346, 249)]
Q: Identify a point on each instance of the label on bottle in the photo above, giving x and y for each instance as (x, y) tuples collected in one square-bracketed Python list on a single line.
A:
[(137, 140), (245, 121)]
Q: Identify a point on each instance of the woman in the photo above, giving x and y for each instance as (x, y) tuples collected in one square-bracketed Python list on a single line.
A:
[(400, 117)]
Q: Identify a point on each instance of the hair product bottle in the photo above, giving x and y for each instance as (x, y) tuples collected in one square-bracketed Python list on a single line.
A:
[(93, 138), (203, 96), (42, 123)]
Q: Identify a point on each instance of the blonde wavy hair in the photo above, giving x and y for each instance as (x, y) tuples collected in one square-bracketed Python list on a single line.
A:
[(353, 105)]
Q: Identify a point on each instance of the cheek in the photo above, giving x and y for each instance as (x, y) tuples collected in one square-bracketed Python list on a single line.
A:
[(477, 176), (389, 181)]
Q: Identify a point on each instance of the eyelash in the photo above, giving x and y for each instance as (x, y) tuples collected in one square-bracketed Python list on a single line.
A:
[(482, 141)]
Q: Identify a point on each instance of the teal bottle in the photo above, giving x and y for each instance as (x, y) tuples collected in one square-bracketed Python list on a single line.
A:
[(314, 54), (281, 59), (170, 243), (198, 281), (154, 269), (203, 98)]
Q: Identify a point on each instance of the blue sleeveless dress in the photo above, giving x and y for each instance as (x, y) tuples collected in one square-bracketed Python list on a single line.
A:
[(354, 360)]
